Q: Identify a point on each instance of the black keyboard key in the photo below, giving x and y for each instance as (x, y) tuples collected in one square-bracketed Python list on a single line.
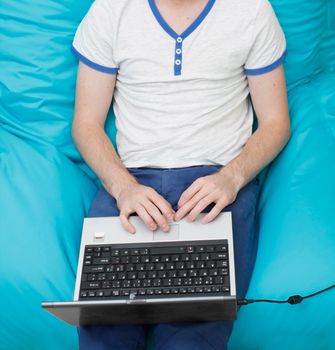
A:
[(186, 257), (157, 282), (213, 272), (142, 274), (115, 260), (135, 259), (210, 249), (126, 284), (167, 250), (160, 266), (107, 292), (182, 273), (106, 284), (130, 267), (172, 273), (91, 285), (193, 273), (125, 260), (190, 265), (222, 248), (147, 283), (167, 282), (145, 259), (225, 289), (150, 267), (115, 252), (162, 274), (165, 258), (92, 269), (190, 249), (152, 274), (91, 277), (200, 249), (101, 261)]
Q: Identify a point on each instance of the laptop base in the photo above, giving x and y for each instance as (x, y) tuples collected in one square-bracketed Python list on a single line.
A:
[(84, 313)]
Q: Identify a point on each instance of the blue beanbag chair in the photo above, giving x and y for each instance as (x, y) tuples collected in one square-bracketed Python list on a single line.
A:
[(46, 189)]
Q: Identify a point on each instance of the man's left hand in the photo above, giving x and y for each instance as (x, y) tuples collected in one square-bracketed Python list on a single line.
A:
[(220, 188)]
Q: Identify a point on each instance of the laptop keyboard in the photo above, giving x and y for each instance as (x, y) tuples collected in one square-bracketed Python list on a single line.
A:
[(155, 270)]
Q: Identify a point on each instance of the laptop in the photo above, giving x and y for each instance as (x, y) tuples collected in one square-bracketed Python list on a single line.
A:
[(184, 275)]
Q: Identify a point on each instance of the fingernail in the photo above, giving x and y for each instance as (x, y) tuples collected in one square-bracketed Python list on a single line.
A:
[(166, 228)]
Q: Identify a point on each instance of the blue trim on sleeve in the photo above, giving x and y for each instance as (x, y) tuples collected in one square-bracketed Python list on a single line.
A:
[(275, 64), (93, 64)]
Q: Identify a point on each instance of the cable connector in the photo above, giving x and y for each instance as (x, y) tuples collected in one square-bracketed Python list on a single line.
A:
[(295, 299)]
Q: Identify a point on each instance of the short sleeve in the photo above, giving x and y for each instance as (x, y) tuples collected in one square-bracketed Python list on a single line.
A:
[(268, 48), (92, 43)]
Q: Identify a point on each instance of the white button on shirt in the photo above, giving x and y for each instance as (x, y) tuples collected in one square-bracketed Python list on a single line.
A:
[(173, 110)]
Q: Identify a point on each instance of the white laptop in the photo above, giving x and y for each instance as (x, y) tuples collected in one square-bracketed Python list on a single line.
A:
[(186, 274)]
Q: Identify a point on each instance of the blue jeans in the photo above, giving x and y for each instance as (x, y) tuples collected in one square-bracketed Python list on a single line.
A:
[(170, 183)]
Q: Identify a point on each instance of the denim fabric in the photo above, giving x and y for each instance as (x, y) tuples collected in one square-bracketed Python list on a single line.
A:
[(171, 183)]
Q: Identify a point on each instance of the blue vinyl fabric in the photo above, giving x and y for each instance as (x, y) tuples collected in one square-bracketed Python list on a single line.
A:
[(46, 190)]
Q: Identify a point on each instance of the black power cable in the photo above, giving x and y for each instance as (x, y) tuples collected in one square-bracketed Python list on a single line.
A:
[(294, 299)]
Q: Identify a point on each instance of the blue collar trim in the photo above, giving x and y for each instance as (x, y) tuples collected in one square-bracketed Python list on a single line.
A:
[(189, 29)]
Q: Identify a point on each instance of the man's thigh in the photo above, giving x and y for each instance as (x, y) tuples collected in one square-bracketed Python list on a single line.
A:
[(116, 337), (215, 334)]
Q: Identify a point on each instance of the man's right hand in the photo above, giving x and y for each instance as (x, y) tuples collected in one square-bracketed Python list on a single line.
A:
[(150, 206)]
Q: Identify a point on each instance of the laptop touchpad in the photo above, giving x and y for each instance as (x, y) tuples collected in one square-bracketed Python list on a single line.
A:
[(172, 234)]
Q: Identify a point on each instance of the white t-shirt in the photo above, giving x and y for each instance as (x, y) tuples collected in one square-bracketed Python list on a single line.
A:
[(181, 100)]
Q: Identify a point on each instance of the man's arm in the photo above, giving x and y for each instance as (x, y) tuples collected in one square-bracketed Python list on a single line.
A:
[(269, 97), (94, 93)]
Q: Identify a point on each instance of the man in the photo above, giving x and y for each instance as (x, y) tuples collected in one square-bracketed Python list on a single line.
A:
[(181, 73)]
